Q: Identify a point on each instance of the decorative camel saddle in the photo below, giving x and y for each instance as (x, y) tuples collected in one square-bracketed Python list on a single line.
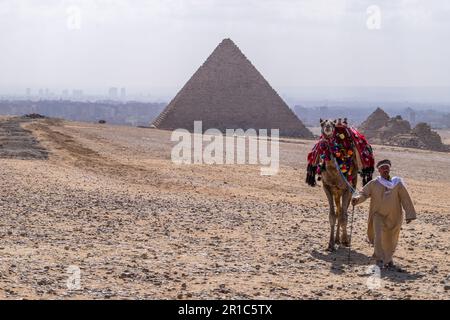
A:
[(346, 145)]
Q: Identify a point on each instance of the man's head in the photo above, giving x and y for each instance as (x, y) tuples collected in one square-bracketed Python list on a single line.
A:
[(384, 168)]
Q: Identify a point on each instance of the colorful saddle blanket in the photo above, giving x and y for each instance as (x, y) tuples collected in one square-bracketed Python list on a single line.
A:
[(342, 145)]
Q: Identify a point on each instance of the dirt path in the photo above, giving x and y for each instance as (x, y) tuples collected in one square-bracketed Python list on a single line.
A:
[(109, 201)]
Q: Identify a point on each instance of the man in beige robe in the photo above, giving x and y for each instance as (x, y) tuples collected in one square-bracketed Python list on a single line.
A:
[(387, 197)]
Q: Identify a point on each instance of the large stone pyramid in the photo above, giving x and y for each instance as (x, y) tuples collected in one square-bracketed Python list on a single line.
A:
[(227, 92)]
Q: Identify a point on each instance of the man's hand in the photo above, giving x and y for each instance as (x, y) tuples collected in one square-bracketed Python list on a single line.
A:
[(354, 201)]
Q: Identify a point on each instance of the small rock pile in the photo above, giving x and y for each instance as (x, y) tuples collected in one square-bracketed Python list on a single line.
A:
[(34, 116)]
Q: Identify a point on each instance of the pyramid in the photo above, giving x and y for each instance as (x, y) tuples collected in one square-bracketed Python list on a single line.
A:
[(227, 92), (378, 119), (431, 139), (381, 129), (393, 127), (375, 121)]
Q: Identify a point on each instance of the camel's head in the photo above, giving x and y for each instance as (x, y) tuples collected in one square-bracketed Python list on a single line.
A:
[(328, 127)]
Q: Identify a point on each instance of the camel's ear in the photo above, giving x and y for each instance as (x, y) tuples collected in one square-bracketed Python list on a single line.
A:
[(321, 121), (334, 121)]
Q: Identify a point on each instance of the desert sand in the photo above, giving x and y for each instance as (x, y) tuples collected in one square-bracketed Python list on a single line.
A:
[(109, 200)]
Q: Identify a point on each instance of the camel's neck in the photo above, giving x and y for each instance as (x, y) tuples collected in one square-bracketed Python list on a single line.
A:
[(327, 139)]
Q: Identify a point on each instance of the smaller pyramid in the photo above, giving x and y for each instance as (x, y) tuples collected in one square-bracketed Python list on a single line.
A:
[(431, 139), (380, 129), (228, 92), (393, 127), (378, 119)]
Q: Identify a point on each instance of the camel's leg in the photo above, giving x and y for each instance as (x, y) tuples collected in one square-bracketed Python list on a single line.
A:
[(343, 218), (337, 201), (331, 216)]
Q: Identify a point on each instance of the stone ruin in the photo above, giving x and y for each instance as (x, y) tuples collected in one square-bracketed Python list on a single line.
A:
[(379, 128), (19, 143), (228, 92)]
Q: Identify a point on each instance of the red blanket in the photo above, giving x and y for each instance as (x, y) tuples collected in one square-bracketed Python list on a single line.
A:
[(341, 146)]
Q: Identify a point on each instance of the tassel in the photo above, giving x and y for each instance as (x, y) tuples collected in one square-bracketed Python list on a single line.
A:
[(367, 175), (311, 175)]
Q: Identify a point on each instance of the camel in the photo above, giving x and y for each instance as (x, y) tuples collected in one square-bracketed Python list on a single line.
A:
[(336, 189)]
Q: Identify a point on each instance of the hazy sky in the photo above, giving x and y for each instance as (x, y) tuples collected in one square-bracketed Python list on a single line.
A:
[(149, 44)]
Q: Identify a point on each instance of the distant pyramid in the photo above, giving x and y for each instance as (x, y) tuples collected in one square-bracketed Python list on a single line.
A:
[(380, 129), (378, 119), (227, 92)]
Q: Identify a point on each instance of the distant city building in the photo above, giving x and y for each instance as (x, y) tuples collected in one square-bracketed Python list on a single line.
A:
[(41, 93), (65, 94), (113, 93), (323, 112), (123, 94), (411, 116), (28, 92), (77, 94)]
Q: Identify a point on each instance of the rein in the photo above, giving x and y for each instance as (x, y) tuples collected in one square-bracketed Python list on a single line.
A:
[(352, 190)]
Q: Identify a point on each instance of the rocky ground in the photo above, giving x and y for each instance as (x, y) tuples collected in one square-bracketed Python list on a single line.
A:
[(108, 200)]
